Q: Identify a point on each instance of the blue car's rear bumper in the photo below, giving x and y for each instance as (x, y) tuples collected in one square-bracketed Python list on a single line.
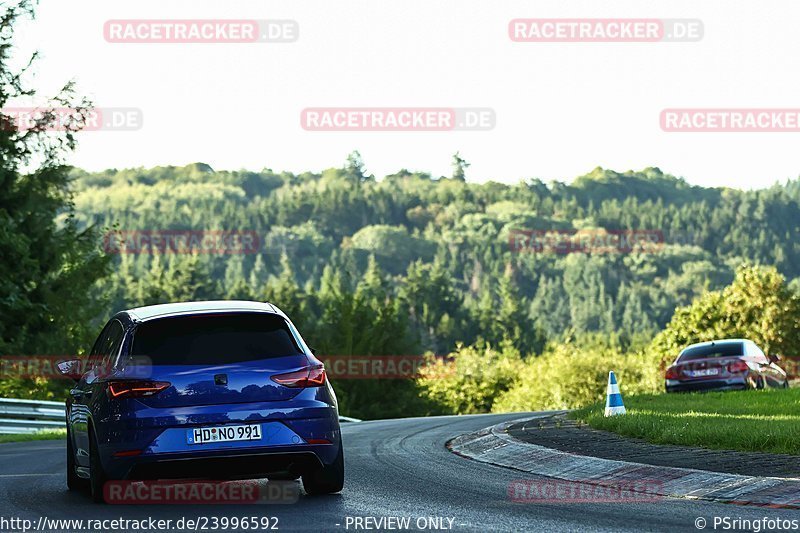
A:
[(158, 438)]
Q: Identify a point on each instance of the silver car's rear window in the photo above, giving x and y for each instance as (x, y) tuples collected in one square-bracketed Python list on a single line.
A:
[(723, 349)]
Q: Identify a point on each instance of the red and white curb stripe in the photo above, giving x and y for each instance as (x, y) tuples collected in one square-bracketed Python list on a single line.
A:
[(494, 446)]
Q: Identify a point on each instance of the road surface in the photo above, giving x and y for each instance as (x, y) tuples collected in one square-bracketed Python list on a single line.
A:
[(395, 468)]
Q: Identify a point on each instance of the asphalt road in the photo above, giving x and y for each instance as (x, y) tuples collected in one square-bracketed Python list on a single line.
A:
[(394, 468)]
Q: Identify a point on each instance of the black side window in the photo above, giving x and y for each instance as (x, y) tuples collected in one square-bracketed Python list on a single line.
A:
[(111, 349), (95, 356), (107, 345)]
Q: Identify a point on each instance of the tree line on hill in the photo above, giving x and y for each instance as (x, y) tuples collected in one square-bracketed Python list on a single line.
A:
[(434, 254)]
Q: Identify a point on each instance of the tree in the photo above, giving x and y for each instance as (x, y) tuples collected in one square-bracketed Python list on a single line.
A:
[(391, 244), (50, 263), (460, 166), (758, 305), (355, 169), (258, 274), (513, 323), (176, 278), (472, 377), (432, 303), (284, 292)]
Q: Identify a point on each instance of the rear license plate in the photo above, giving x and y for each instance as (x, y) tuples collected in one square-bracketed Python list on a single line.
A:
[(703, 372), (223, 434)]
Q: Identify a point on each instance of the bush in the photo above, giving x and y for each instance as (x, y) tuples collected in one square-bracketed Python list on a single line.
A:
[(35, 389), (758, 305), (567, 376), (472, 378)]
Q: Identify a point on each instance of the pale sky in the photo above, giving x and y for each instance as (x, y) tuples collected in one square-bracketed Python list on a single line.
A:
[(561, 108)]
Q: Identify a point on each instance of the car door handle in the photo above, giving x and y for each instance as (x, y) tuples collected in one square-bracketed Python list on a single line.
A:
[(78, 393)]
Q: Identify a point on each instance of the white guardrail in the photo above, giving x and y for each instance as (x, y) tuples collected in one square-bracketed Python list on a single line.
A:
[(32, 416)]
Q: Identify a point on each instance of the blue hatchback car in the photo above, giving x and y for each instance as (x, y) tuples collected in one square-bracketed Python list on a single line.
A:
[(219, 389)]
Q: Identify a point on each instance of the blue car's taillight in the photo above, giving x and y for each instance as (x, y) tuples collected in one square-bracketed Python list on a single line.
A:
[(312, 377), (135, 388)]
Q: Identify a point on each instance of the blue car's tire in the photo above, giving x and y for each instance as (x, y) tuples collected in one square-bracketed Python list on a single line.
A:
[(74, 482), (97, 475), (328, 479), (284, 476)]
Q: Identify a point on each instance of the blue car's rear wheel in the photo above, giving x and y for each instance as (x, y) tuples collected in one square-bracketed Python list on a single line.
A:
[(284, 476), (328, 479), (97, 475), (74, 482)]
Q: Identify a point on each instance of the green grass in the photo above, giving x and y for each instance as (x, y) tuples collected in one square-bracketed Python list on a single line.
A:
[(44, 435), (760, 421)]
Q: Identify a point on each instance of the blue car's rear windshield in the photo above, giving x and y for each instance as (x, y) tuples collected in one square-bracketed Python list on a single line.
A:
[(724, 349), (214, 339)]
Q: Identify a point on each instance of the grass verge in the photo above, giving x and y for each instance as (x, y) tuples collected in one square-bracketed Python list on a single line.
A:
[(44, 435), (756, 421)]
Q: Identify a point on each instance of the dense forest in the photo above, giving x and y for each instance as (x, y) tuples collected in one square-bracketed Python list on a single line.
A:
[(429, 260), (411, 264)]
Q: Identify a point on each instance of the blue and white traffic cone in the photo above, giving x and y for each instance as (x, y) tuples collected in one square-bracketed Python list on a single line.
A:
[(614, 404)]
